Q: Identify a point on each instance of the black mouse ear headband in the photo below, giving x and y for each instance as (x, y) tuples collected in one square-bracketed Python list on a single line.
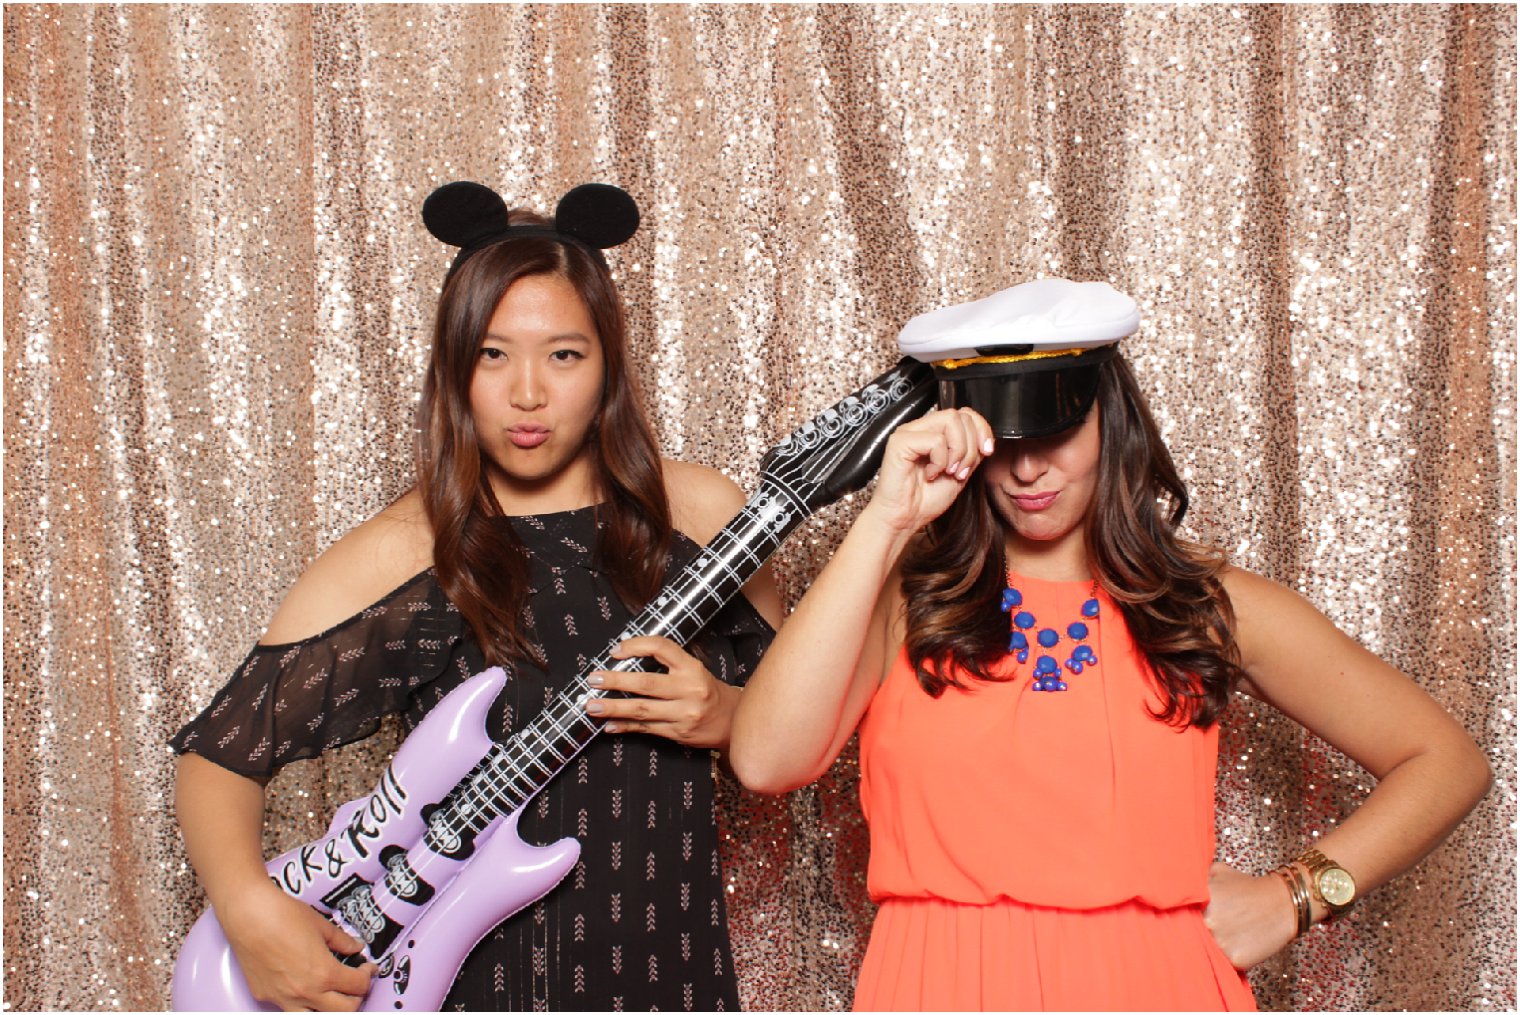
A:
[(470, 216)]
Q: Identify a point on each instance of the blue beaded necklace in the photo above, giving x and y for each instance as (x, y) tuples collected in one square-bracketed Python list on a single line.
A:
[(1047, 672)]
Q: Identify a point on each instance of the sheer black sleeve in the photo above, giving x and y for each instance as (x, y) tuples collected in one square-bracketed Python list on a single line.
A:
[(294, 701)]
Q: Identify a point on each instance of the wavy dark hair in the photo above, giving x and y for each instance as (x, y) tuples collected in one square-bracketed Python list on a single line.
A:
[(1167, 588), (478, 558)]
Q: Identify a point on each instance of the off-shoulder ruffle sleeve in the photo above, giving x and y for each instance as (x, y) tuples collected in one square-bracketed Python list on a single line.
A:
[(294, 701)]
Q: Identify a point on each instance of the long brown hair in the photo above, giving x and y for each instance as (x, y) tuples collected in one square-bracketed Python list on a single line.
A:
[(1167, 588), (477, 557)]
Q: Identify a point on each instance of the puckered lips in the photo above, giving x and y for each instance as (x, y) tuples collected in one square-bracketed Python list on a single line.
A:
[(1033, 502), (527, 435)]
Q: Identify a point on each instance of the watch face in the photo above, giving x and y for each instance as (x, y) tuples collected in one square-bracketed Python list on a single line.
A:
[(1336, 886)]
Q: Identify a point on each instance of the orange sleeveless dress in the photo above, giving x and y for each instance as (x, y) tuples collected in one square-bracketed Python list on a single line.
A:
[(1040, 850)]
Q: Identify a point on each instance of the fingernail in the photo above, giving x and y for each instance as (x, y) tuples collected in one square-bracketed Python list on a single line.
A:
[(965, 471), (611, 727), (595, 680), (595, 707), (987, 446)]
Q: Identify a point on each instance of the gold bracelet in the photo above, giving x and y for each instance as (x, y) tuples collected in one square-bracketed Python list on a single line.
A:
[(1298, 891)]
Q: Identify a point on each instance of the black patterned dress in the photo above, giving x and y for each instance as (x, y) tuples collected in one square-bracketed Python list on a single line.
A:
[(639, 923)]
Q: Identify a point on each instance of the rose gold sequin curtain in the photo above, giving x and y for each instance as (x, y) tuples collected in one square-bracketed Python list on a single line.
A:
[(216, 307)]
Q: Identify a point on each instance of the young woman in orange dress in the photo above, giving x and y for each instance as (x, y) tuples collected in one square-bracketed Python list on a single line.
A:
[(1037, 662)]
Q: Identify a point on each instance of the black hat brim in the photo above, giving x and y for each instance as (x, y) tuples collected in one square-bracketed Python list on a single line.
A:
[(1033, 399)]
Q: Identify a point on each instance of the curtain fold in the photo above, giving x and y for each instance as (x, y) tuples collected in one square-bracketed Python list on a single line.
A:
[(218, 295)]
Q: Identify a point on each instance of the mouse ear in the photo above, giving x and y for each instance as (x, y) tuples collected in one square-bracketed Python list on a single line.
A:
[(462, 214), (598, 214)]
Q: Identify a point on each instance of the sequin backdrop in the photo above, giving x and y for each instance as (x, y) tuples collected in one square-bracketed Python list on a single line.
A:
[(217, 298)]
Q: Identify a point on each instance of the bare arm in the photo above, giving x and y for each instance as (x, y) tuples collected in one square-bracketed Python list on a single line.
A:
[(819, 675), (1430, 773), (814, 684), (283, 946)]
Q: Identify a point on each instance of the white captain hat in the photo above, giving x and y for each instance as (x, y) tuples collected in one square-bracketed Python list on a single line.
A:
[(1026, 358)]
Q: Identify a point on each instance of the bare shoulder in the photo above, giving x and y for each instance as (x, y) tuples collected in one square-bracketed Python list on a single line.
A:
[(370, 561), (1276, 629), (1263, 610), (1251, 592), (702, 499), (1260, 603)]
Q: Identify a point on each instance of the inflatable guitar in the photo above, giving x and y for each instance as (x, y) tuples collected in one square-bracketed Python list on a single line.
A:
[(430, 862)]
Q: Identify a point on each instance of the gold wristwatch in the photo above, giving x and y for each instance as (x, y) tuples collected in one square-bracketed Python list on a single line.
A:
[(1329, 881)]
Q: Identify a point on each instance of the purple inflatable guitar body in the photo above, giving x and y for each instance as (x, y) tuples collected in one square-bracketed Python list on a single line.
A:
[(426, 865)]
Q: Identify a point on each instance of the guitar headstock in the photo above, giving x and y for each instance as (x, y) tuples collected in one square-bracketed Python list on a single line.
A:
[(839, 450)]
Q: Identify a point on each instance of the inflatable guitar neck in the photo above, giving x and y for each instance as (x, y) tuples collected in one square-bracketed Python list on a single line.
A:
[(426, 865)]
